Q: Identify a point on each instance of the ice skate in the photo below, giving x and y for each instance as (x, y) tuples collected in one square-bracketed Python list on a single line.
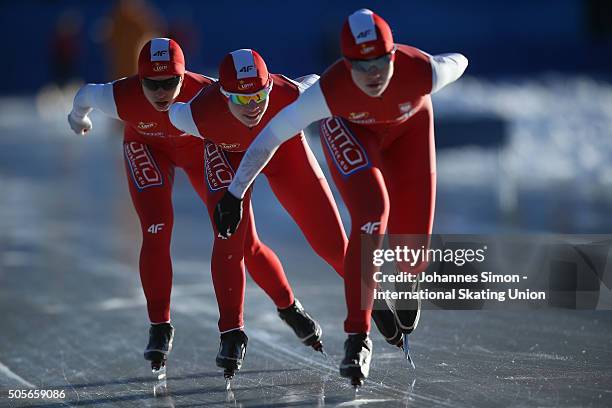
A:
[(407, 314), (408, 311), (231, 353), (305, 327), (357, 356), (160, 345), (386, 323), (406, 350)]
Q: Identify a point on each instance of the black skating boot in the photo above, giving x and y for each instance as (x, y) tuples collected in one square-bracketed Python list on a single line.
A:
[(357, 356), (386, 323), (232, 351), (160, 345), (305, 327), (408, 311)]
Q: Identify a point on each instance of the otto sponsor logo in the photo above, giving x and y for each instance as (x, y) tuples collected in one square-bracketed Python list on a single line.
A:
[(247, 68), (370, 227), (160, 53), (145, 172), (245, 85), (229, 146), (157, 67), (365, 49), (146, 125), (346, 152), (219, 173), (358, 115)]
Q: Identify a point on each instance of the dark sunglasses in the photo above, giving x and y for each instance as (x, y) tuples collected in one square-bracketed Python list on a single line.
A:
[(379, 63), (166, 84)]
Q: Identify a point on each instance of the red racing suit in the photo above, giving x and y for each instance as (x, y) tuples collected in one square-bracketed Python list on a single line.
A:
[(153, 149), (294, 176), (380, 151)]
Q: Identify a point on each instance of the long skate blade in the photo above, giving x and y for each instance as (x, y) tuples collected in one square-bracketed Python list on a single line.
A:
[(160, 389), (407, 351), (357, 383), (230, 398)]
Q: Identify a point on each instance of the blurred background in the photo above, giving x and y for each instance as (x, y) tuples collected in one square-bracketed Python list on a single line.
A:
[(523, 138), (524, 141)]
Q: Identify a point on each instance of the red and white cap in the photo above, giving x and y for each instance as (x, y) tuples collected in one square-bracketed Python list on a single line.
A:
[(161, 56), (243, 71), (365, 35)]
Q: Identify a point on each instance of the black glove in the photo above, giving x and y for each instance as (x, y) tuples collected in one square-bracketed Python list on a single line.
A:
[(228, 214)]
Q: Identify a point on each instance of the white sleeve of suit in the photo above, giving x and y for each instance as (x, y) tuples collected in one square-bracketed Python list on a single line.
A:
[(446, 69), (309, 107), (182, 118), (95, 96)]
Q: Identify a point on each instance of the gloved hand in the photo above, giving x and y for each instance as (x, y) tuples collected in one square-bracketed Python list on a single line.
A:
[(79, 124), (228, 214)]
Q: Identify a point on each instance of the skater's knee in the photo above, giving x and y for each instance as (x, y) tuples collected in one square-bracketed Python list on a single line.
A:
[(336, 260), (253, 249), (372, 218), (371, 224), (156, 243), (156, 233)]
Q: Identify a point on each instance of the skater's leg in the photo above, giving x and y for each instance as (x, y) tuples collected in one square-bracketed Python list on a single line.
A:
[(210, 171), (227, 268), (409, 170), (264, 266), (300, 186), (150, 183), (227, 262), (271, 278), (261, 262), (363, 190), (408, 166)]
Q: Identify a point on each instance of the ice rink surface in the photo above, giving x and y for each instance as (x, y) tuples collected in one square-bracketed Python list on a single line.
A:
[(74, 316)]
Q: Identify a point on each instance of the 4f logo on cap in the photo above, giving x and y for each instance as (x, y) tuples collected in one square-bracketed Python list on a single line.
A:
[(244, 62), (160, 49), (364, 34), (362, 26)]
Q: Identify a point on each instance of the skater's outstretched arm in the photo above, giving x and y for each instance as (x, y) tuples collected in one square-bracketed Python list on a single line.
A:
[(182, 118), (89, 97), (446, 69)]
